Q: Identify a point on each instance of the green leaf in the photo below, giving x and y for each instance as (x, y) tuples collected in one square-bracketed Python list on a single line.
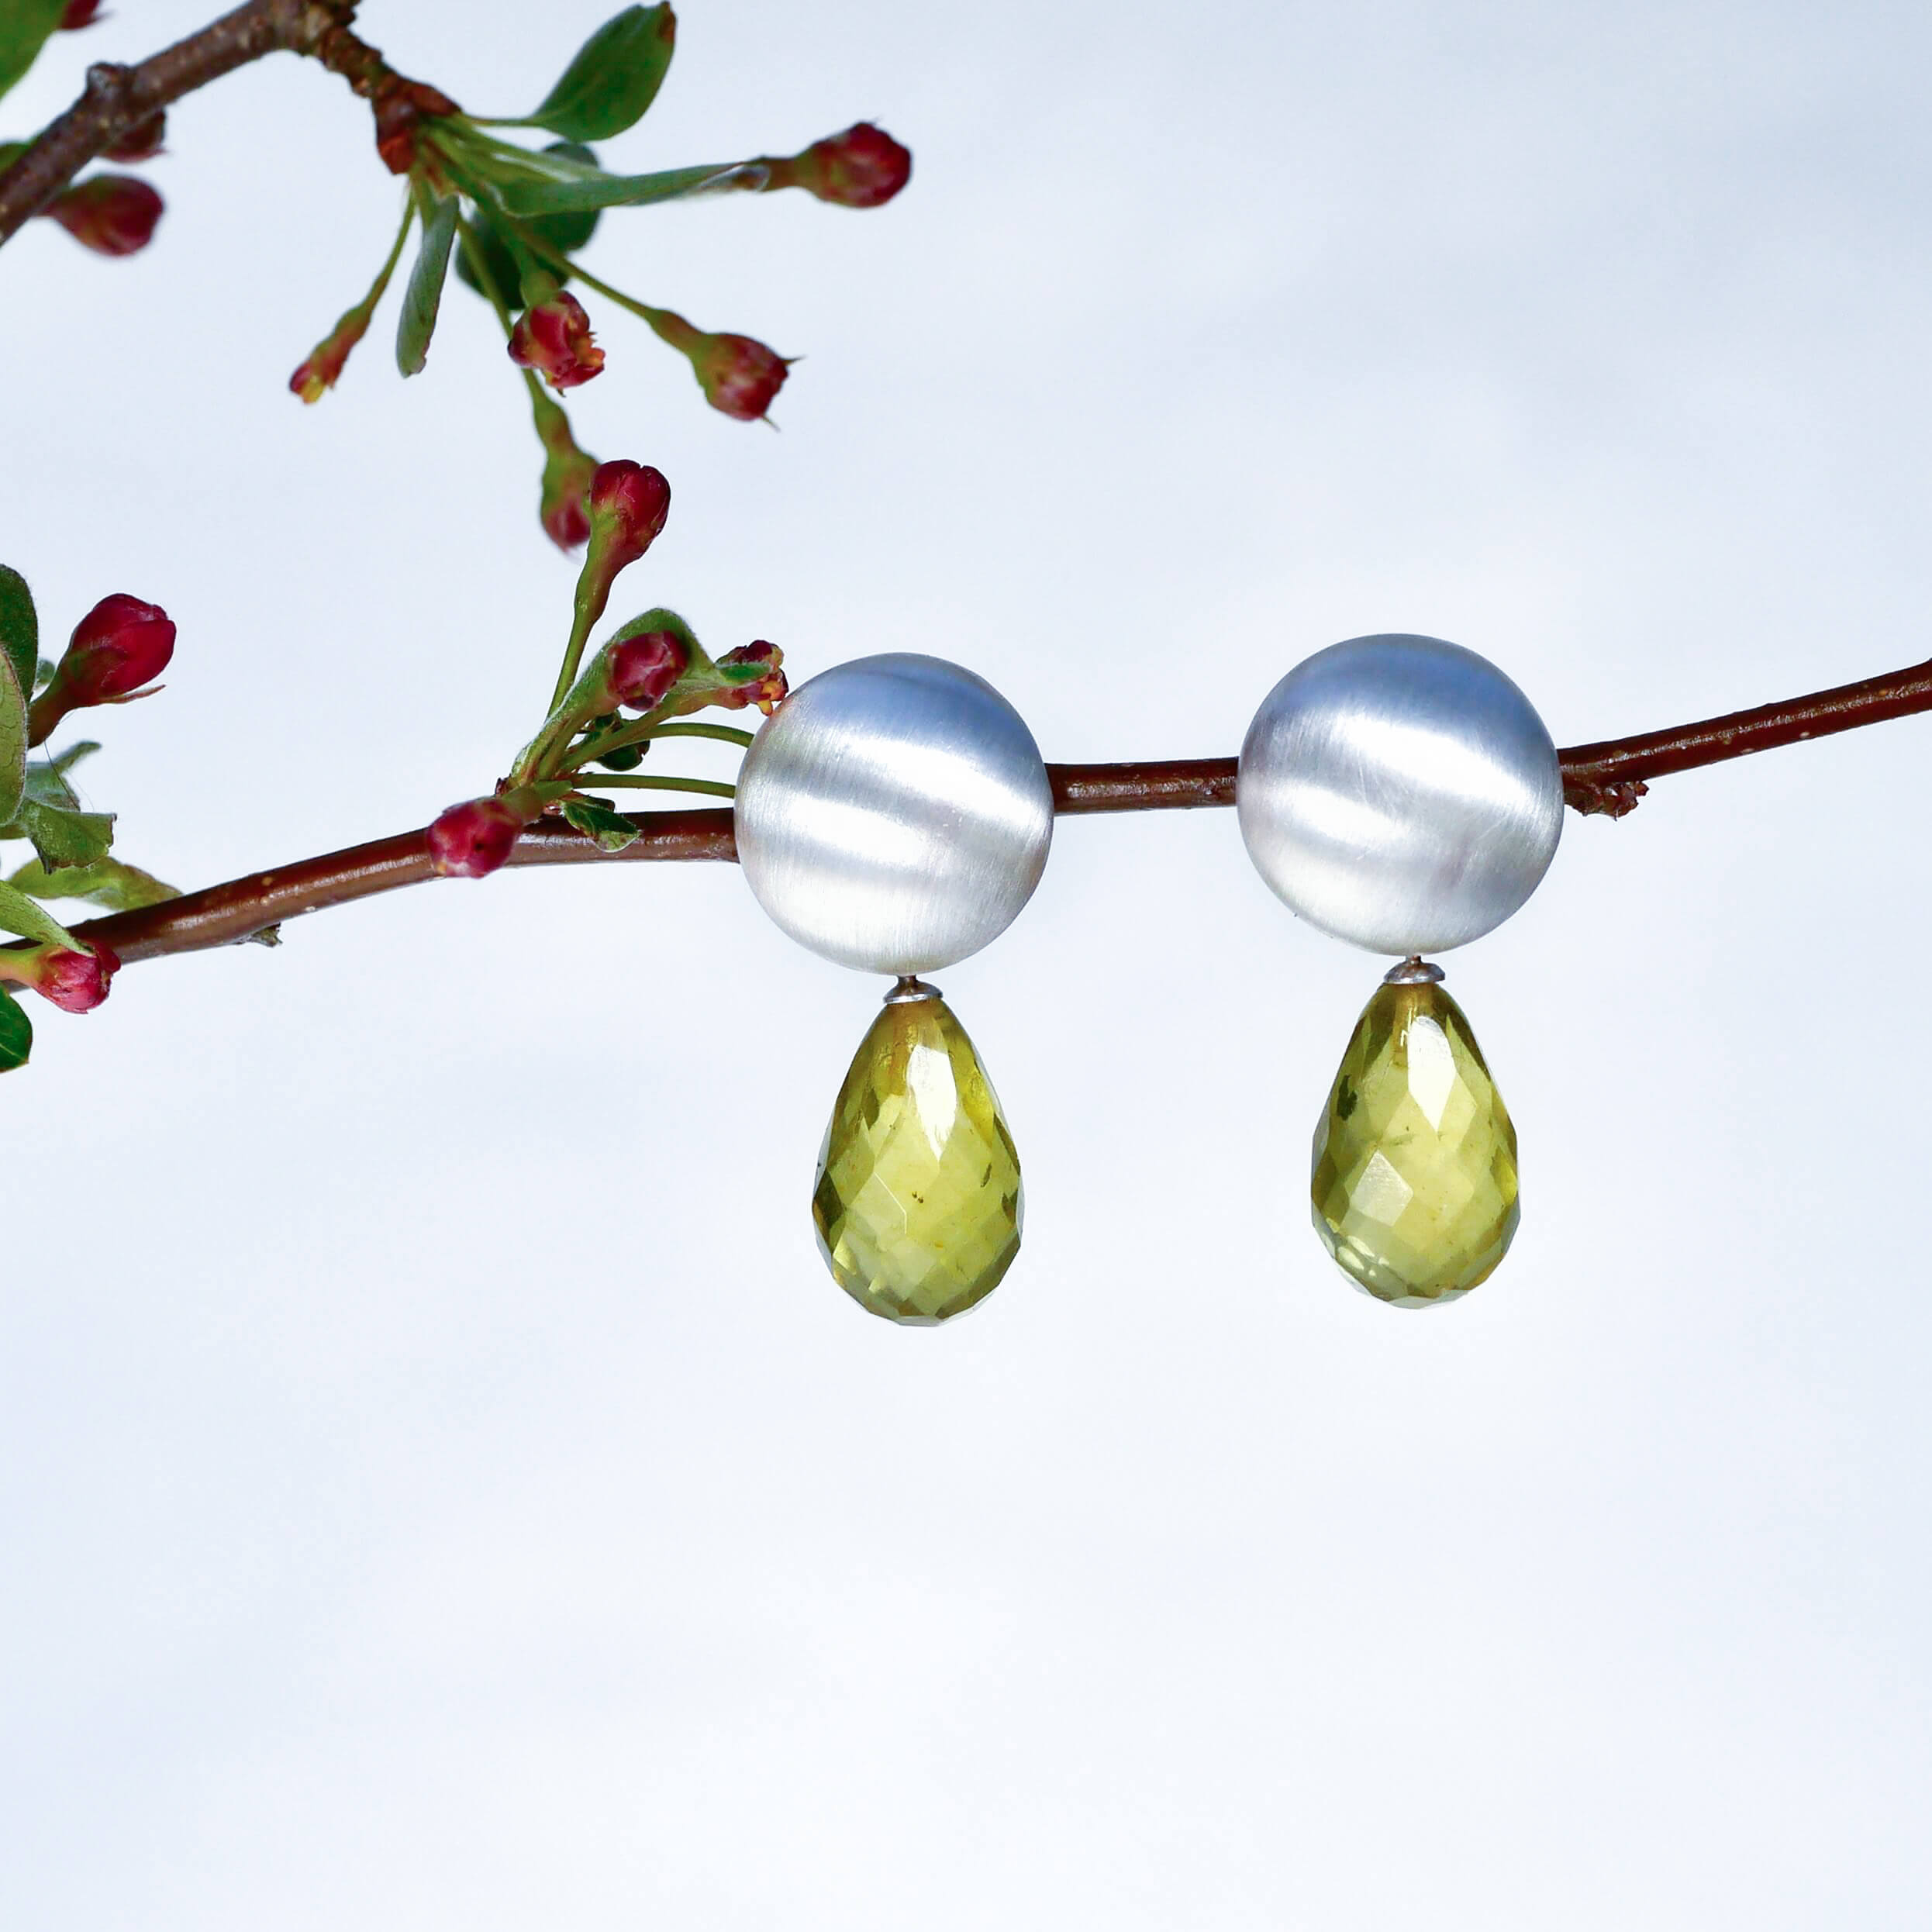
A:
[(611, 830), (19, 625), (65, 838), (24, 27), (424, 294), (614, 78), (566, 233), (628, 191), (13, 742), (108, 883), (16, 1032), (498, 264), (19, 914), (66, 761)]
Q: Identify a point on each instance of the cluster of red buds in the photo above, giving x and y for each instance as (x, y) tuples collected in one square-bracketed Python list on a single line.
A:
[(653, 668), (115, 654), (525, 216)]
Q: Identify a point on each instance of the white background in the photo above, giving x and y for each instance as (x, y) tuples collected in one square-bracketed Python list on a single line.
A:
[(440, 1487)]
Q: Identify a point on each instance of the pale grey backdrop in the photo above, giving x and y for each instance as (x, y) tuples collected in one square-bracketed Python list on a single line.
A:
[(441, 1488)]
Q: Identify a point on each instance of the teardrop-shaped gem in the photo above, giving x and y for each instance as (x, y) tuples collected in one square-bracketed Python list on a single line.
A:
[(1415, 1186), (917, 1202)]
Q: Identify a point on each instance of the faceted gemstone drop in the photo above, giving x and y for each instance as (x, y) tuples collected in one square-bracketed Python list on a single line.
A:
[(918, 1203), (1415, 1186)]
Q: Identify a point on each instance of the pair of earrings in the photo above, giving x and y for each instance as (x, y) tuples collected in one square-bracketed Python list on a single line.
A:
[(1396, 791)]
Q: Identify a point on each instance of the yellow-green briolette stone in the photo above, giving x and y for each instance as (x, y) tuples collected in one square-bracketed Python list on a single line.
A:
[(918, 1203), (1415, 1187)]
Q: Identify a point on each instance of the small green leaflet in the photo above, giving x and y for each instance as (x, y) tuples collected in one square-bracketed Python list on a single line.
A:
[(611, 830), (629, 191), (65, 838), (108, 883), (19, 914), (424, 294), (19, 626), (16, 1032), (24, 27), (614, 78)]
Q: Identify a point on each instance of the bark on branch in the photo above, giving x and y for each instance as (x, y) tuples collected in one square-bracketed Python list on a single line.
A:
[(117, 99), (1604, 778)]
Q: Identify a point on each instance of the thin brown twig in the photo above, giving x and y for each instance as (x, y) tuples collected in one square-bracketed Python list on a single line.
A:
[(1604, 778), (118, 98)]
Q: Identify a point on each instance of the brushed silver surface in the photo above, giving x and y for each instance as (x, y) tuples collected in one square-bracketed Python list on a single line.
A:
[(895, 814), (1399, 792)]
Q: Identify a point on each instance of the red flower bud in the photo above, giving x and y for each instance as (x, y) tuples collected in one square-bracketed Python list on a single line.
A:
[(762, 683), (643, 669), (321, 372), (472, 839), (119, 646), (77, 983), (863, 168), (78, 14), (111, 214), (629, 502), (142, 141), (740, 376), (554, 338), (563, 505)]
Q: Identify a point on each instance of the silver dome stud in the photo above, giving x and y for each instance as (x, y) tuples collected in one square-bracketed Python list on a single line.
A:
[(1401, 793)]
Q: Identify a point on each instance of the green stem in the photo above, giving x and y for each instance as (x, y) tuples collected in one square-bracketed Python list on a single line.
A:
[(726, 734), (382, 282), (468, 133), (580, 755), (636, 782), (665, 324), (585, 615), (588, 610), (642, 733), (480, 267), (472, 255)]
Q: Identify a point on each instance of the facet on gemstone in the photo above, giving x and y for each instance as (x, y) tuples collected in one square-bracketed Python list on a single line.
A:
[(918, 1203), (1415, 1180)]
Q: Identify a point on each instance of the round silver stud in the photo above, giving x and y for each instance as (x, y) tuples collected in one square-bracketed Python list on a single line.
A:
[(895, 814), (1401, 793)]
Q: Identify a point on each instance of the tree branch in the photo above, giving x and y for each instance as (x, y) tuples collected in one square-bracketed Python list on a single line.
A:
[(1607, 778), (117, 98)]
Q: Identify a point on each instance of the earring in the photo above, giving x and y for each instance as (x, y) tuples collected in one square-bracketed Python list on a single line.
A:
[(1401, 794), (894, 815)]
